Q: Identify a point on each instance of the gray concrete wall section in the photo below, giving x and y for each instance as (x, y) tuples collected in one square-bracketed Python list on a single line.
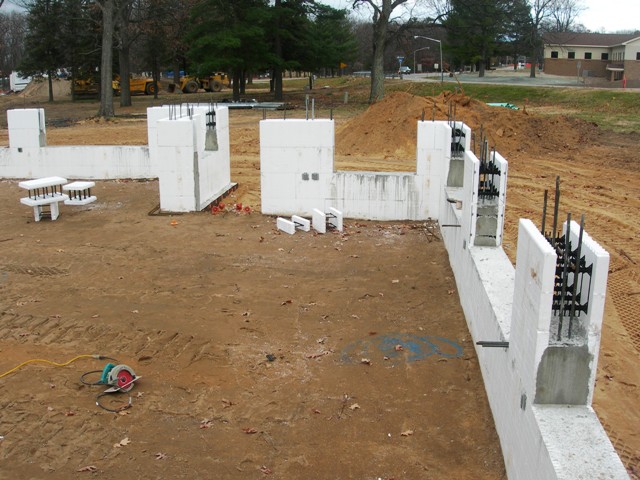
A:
[(563, 376)]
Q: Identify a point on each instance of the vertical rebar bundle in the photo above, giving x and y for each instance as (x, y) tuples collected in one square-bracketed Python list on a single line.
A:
[(571, 270)]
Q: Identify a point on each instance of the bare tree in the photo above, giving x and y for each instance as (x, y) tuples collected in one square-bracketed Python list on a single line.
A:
[(564, 14), (13, 26), (382, 11), (540, 11), (108, 8), (128, 31)]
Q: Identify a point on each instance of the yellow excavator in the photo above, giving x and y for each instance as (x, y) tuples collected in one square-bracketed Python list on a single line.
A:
[(210, 83)]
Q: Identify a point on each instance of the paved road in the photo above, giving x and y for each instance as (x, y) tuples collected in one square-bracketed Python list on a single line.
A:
[(508, 77)]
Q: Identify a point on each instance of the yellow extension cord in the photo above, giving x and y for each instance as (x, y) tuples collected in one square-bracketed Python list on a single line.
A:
[(34, 360)]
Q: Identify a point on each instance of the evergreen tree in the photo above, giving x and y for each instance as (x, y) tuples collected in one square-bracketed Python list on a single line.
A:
[(229, 36), (332, 41), (475, 28), (44, 52)]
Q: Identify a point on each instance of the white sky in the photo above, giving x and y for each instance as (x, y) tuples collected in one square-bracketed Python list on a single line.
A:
[(601, 15), (606, 15)]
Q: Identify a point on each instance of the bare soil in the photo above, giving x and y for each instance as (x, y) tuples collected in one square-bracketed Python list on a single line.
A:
[(251, 344)]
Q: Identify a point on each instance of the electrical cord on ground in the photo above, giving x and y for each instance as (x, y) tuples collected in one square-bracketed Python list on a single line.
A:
[(41, 360), (112, 410), (104, 380), (83, 377)]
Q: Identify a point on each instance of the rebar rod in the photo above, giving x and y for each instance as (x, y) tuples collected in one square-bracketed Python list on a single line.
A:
[(576, 271), (565, 273), (544, 212), (555, 212)]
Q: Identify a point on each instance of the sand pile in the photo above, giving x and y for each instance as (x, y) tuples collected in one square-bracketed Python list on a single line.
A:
[(40, 88), (389, 126)]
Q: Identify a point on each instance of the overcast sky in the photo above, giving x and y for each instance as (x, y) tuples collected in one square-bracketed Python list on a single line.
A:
[(610, 16), (601, 15)]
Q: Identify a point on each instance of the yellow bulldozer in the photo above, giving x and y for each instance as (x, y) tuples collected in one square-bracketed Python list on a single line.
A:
[(210, 83), (137, 85), (91, 87)]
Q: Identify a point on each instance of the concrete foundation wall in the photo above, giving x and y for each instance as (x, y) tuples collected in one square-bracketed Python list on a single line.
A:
[(297, 174), (296, 165), (86, 162), (29, 157), (500, 304), (191, 159), (379, 196)]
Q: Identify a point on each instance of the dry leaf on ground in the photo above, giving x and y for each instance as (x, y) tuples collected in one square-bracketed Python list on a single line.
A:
[(206, 423), (88, 468), (406, 433), (318, 355), (122, 443)]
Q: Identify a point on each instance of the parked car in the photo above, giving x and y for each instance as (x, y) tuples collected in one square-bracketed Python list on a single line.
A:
[(404, 70)]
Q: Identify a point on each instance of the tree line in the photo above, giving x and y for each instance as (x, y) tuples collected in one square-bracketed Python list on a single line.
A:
[(95, 38)]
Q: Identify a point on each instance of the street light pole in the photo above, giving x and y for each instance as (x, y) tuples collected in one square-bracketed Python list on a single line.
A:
[(440, 44), (414, 57)]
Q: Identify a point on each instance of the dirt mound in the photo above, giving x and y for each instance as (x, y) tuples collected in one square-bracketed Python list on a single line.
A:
[(389, 126), (40, 88)]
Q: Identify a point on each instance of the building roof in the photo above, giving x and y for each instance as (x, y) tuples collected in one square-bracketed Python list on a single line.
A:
[(588, 39)]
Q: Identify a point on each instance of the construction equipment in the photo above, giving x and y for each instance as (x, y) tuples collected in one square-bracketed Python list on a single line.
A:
[(137, 85), (85, 87), (91, 87), (210, 83)]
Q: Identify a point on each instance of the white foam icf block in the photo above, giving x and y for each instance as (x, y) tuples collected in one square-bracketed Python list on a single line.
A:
[(24, 138), (598, 258), (296, 159), (199, 129), (301, 223), (335, 219), (466, 137), (222, 117), (26, 128), (278, 186), (26, 118), (433, 148), (176, 133), (177, 203), (319, 221), (297, 133), (286, 226), (532, 300), (503, 166), (470, 197)]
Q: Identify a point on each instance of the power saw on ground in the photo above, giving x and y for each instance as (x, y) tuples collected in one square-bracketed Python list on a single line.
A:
[(120, 378)]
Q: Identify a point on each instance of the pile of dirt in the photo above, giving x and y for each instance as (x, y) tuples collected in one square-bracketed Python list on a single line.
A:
[(389, 126), (40, 88)]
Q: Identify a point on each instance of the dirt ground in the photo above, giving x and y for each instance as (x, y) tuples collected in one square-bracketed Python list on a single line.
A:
[(250, 344)]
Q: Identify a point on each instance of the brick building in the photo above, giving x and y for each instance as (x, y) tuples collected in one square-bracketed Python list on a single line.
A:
[(611, 56)]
